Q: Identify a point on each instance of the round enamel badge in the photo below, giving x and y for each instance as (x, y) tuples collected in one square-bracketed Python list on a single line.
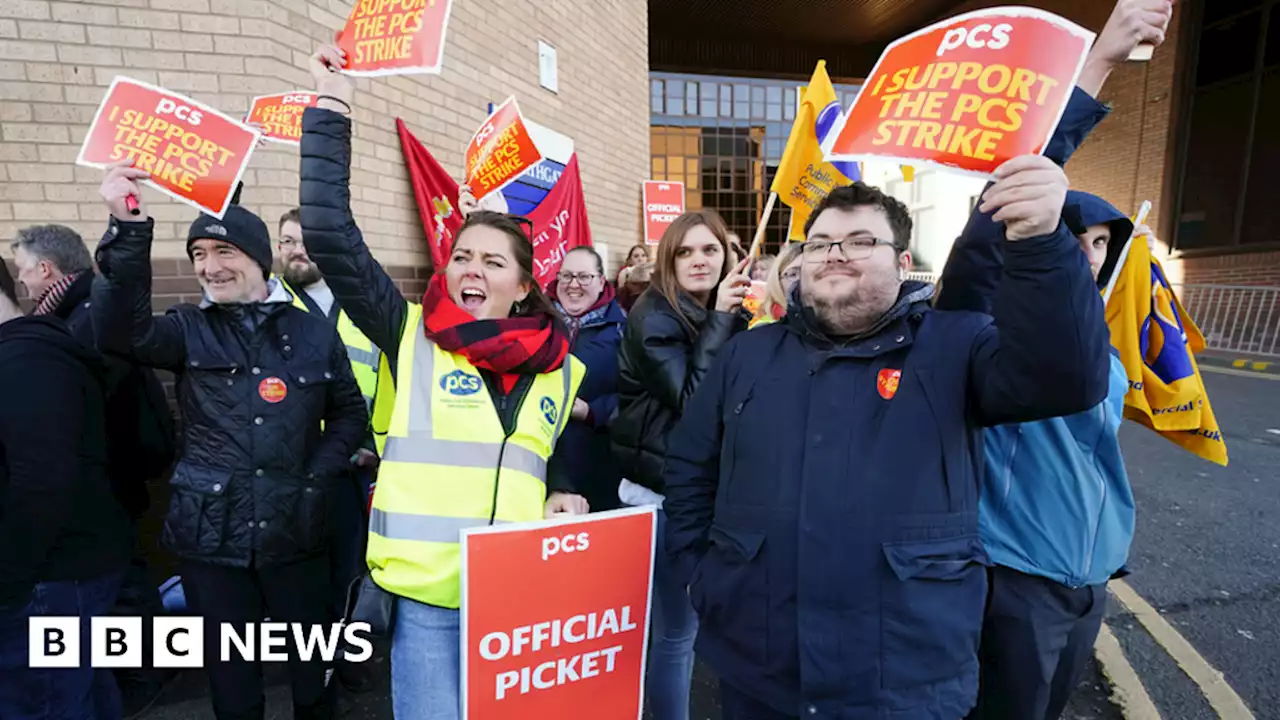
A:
[(273, 390)]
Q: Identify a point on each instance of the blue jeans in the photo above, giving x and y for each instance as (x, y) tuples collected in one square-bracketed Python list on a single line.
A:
[(675, 626), (81, 693), (425, 662)]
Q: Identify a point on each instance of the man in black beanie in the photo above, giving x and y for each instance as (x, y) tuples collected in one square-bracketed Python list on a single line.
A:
[(271, 417)]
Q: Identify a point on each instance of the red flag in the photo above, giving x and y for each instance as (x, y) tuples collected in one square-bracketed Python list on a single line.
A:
[(559, 224), (436, 194)]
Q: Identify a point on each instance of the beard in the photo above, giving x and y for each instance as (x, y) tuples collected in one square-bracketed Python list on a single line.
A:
[(302, 277), (855, 312)]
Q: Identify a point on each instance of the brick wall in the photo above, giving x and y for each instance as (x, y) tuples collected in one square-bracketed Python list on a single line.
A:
[(56, 59)]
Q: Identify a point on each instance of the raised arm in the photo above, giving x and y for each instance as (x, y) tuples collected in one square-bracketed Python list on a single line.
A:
[(363, 288), (123, 323), (972, 274), (1046, 352)]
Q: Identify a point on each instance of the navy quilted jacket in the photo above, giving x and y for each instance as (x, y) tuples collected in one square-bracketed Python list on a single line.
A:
[(256, 473)]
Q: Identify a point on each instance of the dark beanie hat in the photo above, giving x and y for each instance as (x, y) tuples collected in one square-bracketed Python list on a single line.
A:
[(238, 227)]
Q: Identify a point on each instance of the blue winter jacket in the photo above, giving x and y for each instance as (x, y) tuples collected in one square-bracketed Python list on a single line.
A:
[(822, 494), (590, 467), (1055, 498)]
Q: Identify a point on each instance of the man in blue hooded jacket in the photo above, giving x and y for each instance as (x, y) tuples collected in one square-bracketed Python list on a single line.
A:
[(1056, 512), (1056, 515)]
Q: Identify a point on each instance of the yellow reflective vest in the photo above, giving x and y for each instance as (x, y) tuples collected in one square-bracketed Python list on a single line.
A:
[(371, 368), (449, 464)]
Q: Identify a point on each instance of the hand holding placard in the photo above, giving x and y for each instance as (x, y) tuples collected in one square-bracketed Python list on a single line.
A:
[(1027, 196), (326, 69), (1132, 33), (119, 185), (1133, 23)]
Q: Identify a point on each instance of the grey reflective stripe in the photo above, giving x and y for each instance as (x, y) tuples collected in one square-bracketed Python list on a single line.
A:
[(422, 528), (364, 357), (421, 446), (463, 453)]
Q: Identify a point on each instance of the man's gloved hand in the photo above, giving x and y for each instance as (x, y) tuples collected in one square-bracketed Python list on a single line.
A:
[(365, 458)]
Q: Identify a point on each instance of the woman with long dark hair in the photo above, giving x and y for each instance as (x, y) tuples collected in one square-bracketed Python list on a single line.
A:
[(485, 386), (692, 308)]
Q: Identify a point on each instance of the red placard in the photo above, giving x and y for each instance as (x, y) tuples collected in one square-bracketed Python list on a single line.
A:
[(573, 646), (193, 152), (395, 37), (967, 94), (500, 150), (281, 115), (663, 203)]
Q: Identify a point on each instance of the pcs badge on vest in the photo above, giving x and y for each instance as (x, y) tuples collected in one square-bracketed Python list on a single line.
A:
[(461, 389)]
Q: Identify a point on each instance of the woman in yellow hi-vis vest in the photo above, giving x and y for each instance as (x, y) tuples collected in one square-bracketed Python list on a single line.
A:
[(484, 386)]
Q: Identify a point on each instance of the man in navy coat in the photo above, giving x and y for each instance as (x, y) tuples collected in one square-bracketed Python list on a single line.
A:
[(823, 483)]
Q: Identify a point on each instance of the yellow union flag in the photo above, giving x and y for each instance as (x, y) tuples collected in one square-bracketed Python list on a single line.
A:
[(804, 178), (1157, 341)]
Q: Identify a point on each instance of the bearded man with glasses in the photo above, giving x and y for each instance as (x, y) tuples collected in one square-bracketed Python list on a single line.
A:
[(822, 484)]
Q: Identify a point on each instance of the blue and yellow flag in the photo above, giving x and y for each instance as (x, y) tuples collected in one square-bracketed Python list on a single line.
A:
[(804, 178), (1157, 341)]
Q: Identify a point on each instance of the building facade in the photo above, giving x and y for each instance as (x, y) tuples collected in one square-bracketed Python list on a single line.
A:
[(57, 58), (702, 91), (1192, 130)]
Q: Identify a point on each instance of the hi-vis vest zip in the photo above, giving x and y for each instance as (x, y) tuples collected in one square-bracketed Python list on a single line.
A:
[(371, 368), (449, 464)]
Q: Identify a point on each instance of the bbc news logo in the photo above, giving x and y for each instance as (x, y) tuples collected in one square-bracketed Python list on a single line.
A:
[(179, 642)]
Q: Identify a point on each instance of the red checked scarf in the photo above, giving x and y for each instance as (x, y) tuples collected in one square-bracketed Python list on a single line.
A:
[(510, 347)]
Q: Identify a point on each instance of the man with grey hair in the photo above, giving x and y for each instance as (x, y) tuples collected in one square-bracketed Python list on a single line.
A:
[(53, 263), (64, 540), (49, 259)]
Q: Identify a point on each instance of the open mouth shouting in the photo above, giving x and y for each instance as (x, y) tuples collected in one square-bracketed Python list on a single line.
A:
[(472, 299)]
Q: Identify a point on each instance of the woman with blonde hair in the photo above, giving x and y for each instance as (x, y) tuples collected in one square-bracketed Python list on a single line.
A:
[(782, 278)]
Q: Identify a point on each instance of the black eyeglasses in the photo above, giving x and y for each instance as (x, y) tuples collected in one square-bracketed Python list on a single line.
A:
[(853, 248), (582, 278)]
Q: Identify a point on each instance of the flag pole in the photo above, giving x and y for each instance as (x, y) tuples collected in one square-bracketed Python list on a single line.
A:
[(764, 223), (1124, 254)]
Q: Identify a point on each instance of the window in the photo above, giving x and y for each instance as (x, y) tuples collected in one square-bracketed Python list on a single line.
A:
[(724, 137), (1232, 150)]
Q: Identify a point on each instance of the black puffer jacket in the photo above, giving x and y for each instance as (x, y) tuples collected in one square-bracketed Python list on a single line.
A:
[(140, 427), (255, 477), (58, 520), (660, 364)]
